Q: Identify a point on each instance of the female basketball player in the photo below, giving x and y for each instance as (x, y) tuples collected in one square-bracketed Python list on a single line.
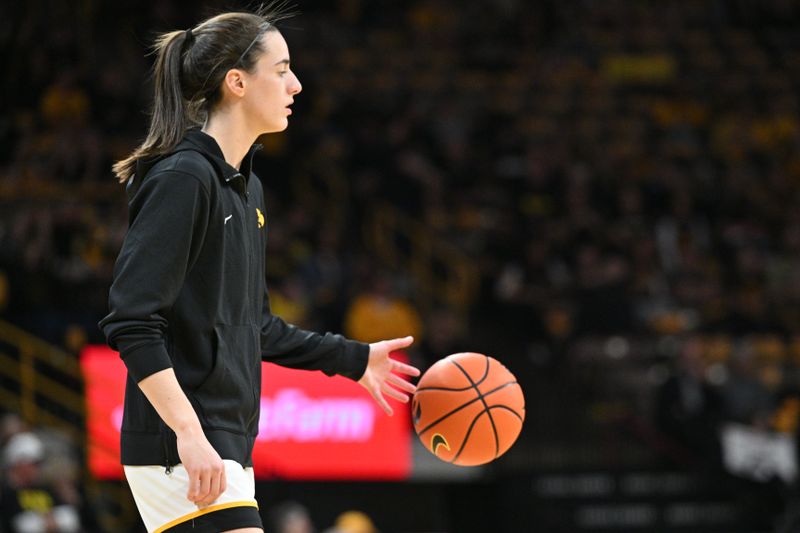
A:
[(189, 310)]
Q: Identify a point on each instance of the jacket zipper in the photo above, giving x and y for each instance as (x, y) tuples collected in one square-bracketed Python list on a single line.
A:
[(248, 231), (245, 196), (168, 469)]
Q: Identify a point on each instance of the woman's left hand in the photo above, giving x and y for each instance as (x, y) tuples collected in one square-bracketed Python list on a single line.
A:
[(379, 378)]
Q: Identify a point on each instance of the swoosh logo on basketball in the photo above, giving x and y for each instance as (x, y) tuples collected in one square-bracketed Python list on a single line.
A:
[(438, 440)]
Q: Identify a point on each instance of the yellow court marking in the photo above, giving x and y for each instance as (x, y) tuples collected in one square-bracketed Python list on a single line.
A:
[(206, 510)]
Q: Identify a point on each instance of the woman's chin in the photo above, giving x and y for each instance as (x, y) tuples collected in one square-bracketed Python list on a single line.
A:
[(277, 126)]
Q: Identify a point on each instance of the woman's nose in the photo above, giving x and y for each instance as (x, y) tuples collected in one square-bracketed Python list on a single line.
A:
[(295, 86)]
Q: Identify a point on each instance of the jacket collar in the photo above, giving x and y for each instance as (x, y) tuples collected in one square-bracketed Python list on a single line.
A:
[(205, 143)]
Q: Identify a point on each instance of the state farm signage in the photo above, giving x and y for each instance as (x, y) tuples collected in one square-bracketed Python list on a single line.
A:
[(291, 415), (311, 426)]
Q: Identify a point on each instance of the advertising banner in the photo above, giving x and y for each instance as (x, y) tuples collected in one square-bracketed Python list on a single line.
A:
[(312, 426)]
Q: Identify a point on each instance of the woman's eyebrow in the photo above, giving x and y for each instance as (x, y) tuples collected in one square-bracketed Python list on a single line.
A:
[(282, 61)]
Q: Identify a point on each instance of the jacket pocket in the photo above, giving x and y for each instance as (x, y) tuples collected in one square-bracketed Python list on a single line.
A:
[(227, 398)]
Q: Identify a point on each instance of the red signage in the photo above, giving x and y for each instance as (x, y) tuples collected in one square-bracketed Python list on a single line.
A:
[(311, 427)]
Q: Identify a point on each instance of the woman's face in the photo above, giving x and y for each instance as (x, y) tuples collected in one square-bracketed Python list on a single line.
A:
[(271, 87)]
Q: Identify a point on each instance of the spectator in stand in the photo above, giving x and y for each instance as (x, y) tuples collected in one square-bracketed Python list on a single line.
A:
[(291, 517), (688, 408), (27, 503), (745, 398), (353, 522), (445, 335), (380, 311)]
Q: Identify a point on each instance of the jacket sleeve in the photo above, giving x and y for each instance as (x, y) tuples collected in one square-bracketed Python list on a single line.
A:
[(169, 216), (288, 345)]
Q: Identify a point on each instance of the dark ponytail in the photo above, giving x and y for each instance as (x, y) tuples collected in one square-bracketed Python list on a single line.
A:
[(188, 73), (169, 119)]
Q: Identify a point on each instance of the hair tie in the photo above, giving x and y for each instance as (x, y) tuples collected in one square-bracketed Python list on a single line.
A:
[(189, 36)]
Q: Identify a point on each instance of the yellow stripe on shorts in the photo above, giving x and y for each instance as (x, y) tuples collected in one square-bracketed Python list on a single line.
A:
[(161, 497), (205, 510)]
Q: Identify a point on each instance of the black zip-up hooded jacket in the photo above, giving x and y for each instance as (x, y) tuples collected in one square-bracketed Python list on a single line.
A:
[(189, 293)]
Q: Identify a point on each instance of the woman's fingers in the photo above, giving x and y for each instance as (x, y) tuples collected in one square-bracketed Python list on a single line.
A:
[(205, 469), (194, 485), (378, 395), (399, 344), (205, 486), (223, 483), (394, 393), (405, 369), (401, 384), (213, 487)]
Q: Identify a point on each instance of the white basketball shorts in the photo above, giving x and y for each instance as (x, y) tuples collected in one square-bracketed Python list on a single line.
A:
[(161, 497)]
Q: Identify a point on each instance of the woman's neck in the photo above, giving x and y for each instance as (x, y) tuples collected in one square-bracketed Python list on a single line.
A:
[(230, 137)]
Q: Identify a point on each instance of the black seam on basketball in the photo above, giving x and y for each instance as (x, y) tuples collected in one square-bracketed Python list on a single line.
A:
[(444, 388), (485, 405), (507, 408), (485, 373), (466, 437), (462, 406)]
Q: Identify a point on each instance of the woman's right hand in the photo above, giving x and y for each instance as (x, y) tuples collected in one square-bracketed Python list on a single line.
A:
[(204, 466), (202, 462)]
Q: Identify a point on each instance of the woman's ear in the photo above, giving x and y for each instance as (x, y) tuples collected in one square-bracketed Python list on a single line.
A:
[(234, 83)]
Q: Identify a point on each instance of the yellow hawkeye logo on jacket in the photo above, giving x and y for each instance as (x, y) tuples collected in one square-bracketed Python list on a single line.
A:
[(260, 218)]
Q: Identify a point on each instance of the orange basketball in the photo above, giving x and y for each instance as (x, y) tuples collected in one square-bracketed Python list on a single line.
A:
[(468, 409)]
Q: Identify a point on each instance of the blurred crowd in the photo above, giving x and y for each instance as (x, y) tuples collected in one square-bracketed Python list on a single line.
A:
[(606, 167), (42, 489)]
